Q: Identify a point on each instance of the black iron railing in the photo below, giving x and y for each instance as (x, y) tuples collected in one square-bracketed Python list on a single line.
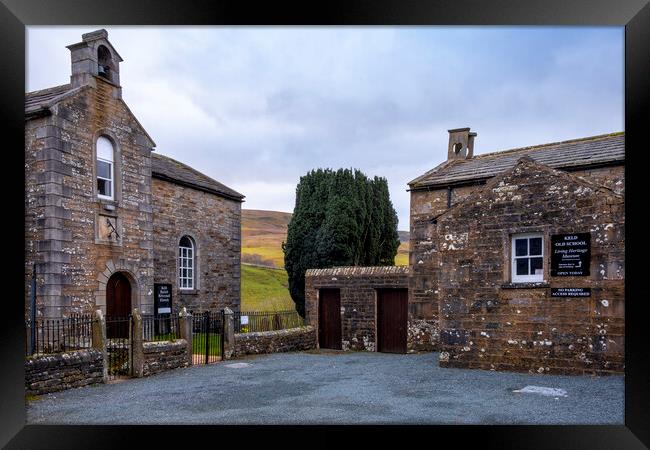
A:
[(254, 321), (207, 336), (58, 335), (118, 345), (161, 328)]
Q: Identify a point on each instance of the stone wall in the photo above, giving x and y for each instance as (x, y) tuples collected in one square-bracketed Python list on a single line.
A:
[(59, 371), (214, 223), (488, 322), (291, 340), (427, 204), (358, 288), (65, 219), (164, 355)]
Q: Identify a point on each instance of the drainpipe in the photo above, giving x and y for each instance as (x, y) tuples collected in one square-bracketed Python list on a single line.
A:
[(32, 344)]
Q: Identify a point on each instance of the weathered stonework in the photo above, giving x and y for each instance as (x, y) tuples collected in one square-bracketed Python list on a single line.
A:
[(358, 287), (164, 355), (69, 243), (63, 208), (214, 223), (59, 371), (291, 340), (486, 321)]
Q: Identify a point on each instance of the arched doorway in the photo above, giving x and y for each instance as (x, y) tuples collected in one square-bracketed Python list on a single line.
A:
[(118, 304)]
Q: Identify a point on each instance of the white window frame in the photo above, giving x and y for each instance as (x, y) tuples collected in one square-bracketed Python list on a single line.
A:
[(186, 262), (111, 163), (535, 278)]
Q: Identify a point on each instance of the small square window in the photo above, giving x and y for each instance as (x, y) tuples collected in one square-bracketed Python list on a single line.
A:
[(527, 258)]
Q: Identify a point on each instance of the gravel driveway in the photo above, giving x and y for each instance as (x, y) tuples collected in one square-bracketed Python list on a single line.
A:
[(353, 387)]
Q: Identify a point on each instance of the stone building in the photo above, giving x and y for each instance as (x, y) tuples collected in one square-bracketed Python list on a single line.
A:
[(106, 220), (516, 259)]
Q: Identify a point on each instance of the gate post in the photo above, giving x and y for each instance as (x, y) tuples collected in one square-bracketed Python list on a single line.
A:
[(99, 340), (228, 334), (185, 325), (137, 350)]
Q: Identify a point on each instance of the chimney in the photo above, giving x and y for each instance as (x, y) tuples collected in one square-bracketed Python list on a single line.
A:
[(461, 144)]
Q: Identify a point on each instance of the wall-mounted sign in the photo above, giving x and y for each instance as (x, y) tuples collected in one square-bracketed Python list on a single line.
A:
[(570, 292), (162, 298), (570, 254)]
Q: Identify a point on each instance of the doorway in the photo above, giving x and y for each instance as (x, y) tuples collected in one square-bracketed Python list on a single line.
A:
[(329, 319), (392, 320), (118, 305)]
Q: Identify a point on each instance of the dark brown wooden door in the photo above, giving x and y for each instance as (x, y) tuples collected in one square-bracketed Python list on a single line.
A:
[(392, 310), (118, 304), (329, 319)]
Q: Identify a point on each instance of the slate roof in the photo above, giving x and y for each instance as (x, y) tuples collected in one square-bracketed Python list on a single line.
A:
[(567, 155), (163, 167), (166, 168), (45, 98)]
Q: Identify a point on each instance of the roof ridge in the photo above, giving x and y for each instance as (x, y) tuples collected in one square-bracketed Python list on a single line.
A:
[(50, 89), (223, 189), (548, 144)]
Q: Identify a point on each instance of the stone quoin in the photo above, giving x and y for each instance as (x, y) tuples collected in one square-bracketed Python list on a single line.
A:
[(489, 280), (105, 217)]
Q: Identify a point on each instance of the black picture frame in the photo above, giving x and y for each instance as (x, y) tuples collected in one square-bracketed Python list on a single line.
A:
[(16, 14)]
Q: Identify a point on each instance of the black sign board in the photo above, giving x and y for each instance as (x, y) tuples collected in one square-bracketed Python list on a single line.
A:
[(570, 292), (162, 298), (570, 254)]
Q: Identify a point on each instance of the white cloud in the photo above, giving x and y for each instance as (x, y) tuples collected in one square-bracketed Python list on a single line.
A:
[(257, 107)]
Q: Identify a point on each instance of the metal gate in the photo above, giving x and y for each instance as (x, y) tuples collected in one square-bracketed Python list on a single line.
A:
[(118, 346), (207, 337)]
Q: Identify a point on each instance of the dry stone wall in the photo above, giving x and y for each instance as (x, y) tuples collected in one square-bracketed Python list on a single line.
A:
[(164, 355), (290, 340), (59, 371)]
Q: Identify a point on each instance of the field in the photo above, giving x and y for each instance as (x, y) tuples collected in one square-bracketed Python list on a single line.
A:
[(264, 231), (263, 279), (262, 235), (264, 289)]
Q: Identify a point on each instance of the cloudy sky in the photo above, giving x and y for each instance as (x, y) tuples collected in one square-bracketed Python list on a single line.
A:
[(257, 107)]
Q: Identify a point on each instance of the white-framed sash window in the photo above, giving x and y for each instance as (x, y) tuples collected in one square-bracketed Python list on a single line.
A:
[(105, 169), (527, 258), (186, 263)]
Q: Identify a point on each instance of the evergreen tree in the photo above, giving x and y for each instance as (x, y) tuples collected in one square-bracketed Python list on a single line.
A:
[(341, 218)]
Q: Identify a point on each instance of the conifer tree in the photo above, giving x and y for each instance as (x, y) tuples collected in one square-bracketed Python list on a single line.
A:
[(341, 218)]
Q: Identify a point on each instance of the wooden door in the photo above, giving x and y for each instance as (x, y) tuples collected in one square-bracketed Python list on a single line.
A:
[(329, 319), (118, 304), (392, 318)]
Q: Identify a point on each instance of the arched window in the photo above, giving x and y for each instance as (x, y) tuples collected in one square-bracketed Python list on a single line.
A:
[(186, 259), (105, 168), (104, 62)]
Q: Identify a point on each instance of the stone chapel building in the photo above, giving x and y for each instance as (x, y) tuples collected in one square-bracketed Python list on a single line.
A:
[(106, 219), (517, 262)]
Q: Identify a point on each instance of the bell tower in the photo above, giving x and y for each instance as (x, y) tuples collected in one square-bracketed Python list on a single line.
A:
[(94, 57)]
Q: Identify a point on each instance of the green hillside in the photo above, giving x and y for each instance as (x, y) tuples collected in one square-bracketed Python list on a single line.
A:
[(264, 289)]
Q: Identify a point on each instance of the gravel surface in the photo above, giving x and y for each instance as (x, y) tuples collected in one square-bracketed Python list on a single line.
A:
[(332, 387)]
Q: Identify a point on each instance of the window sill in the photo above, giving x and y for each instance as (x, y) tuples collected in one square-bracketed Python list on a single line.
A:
[(526, 285), (188, 291)]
